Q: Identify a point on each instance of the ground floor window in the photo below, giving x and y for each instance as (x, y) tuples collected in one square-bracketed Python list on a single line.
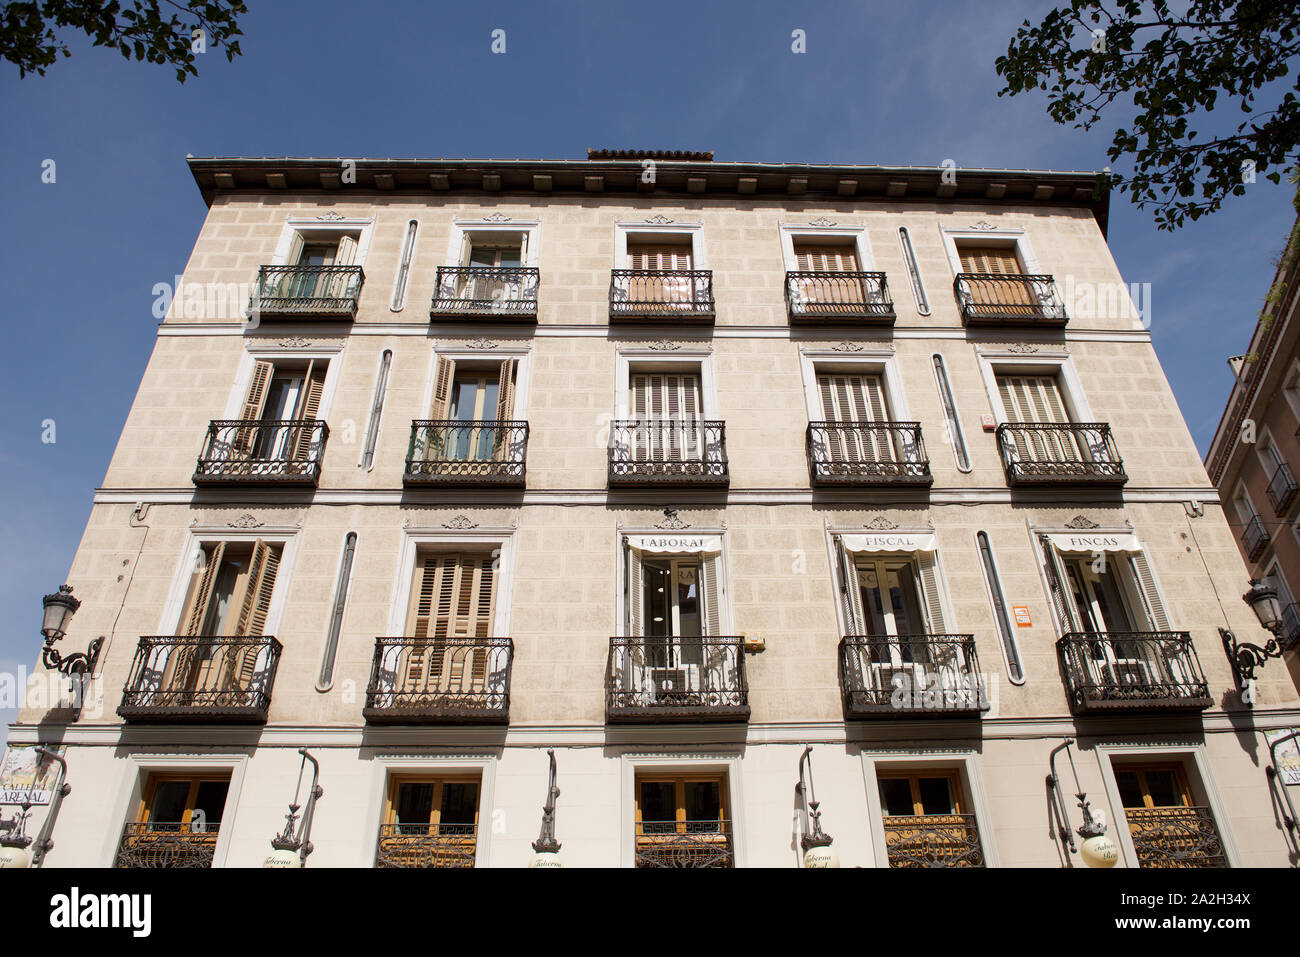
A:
[(430, 821), (1166, 824), (177, 821), (926, 821), (682, 821)]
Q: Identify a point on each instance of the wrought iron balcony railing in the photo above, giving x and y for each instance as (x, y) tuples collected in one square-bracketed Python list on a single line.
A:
[(851, 296), (990, 298), (1255, 538), (215, 679), (684, 844), (317, 291), (477, 292), (678, 295), (427, 845), (668, 452), (676, 679), (276, 452), (1289, 637), (1060, 453), (457, 452), (904, 675), (933, 840), (429, 680), (1282, 490), (1132, 670), (1175, 837), (867, 453), (159, 844)]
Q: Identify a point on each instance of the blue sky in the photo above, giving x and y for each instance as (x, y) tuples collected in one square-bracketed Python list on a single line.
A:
[(889, 83)]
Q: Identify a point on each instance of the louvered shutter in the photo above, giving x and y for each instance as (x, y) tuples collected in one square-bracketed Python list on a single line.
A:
[(254, 404), (309, 409), (1155, 607), (668, 408), (1058, 588), (443, 376), (853, 399), (1036, 399), (829, 259), (711, 588), (815, 258), (850, 593), (994, 260), (928, 564), (506, 390), (347, 251), (203, 592), (634, 594), (419, 621), (253, 612), (667, 291)]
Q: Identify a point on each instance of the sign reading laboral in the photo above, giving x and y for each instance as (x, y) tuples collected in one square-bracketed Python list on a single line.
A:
[(677, 544), (1287, 755), (27, 776), (890, 542), (1095, 542)]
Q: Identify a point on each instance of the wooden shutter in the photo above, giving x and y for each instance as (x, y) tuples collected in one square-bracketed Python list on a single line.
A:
[(711, 591), (853, 398), (258, 387), (1058, 588), (203, 590), (850, 594), (309, 407), (634, 594), (295, 250), (998, 260), (664, 256), (666, 402), (1031, 398), (1155, 608), (933, 597), (506, 390), (256, 601), (347, 252), (810, 257), (454, 598), (443, 376)]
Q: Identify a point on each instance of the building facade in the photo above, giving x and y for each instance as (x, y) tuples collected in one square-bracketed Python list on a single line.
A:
[(1255, 456), (675, 468)]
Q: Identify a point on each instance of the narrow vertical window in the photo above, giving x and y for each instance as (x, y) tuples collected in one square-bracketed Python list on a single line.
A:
[(1010, 649), (913, 273), (336, 613), (376, 411), (404, 267), (950, 414)]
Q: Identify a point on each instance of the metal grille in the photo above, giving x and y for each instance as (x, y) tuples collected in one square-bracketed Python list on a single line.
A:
[(278, 451), (450, 679), (676, 294), (166, 845), (996, 298), (425, 845), (1282, 490), (867, 453), (486, 292), (684, 844), (1146, 669), (307, 290), (1175, 837), (903, 674), (933, 840), (668, 451), (458, 452), (1255, 538), (838, 295), (203, 678), (676, 678), (1060, 452), (1290, 635)]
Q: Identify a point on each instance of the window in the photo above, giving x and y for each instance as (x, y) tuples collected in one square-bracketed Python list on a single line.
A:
[(472, 402), (320, 256), (1166, 826), (676, 599), (279, 412), (231, 591), (1100, 590), (430, 821), (177, 821), (913, 272), (682, 821), (1000, 260), (950, 414), (450, 616), (925, 821), (666, 408)]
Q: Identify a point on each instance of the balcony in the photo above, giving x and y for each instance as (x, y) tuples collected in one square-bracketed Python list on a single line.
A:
[(207, 679), (1144, 670), (933, 840), (1282, 490), (486, 292), (307, 292), (857, 454), (166, 845), (839, 297), (676, 679), (1175, 837), (447, 681), (1255, 538), (460, 454), (1059, 453), (1008, 300), (281, 452), (427, 845), (685, 844), (669, 295), (910, 676), (668, 452)]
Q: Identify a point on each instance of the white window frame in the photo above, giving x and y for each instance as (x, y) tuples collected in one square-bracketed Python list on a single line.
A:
[(254, 353), (726, 619), (1193, 758), (532, 228), (964, 762), (522, 352), (670, 764), (1013, 237), (941, 578), (385, 767), (442, 539), (1268, 462), (645, 230), (849, 233), (131, 792), (993, 364), (309, 227), (883, 363), (199, 535), (698, 360)]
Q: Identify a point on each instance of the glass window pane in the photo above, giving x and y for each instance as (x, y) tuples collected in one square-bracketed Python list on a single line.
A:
[(1163, 787), (703, 800), (169, 800), (459, 802), (1130, 788), (688, 601), (936, 795), (658, 801), (415, 803), (658, 601), (896, 797)]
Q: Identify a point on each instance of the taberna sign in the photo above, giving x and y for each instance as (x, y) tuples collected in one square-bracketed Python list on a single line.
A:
[(1090, 542), (677, 543)]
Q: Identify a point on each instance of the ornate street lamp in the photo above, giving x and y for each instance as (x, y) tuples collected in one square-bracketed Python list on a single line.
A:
[(16, 848), (1246, 656), (546, 849), (291, 847), (816, 843), (59, 609), (1096, 850)]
